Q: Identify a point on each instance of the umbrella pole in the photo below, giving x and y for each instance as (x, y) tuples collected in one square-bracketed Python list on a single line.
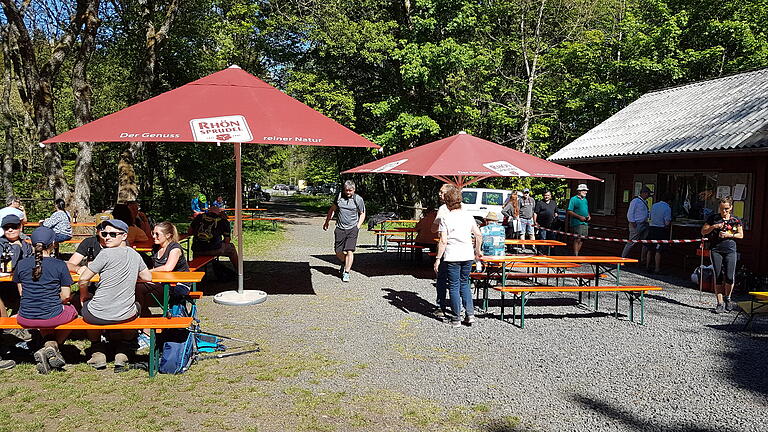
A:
[(240, 297), (239, 215)]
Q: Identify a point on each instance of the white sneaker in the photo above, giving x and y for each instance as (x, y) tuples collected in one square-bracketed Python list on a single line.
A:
[(345, 277), (470, 319)]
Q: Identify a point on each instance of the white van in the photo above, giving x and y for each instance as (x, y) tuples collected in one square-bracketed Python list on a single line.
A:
[(478, 202)]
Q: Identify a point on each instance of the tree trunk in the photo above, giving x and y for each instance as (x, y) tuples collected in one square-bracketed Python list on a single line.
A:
[(36, 84), (80, 203), (6, 169), (155, 38), (531, 66)]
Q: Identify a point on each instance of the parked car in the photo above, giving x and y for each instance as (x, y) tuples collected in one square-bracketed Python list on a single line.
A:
[(293, 187), (478, 202), (310, 190), (281, 187)]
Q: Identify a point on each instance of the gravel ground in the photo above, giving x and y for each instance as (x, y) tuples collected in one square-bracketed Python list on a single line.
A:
[(570, 369)]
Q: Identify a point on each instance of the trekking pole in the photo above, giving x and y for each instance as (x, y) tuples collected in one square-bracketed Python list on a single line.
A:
[(220, 356), (225, 337)]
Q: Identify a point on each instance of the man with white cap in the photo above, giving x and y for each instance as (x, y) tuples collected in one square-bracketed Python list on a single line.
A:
[(637, 216), (527, 204), (578, 210)]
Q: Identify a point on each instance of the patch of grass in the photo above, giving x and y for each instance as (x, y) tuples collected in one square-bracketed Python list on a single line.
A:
[(312, 203)]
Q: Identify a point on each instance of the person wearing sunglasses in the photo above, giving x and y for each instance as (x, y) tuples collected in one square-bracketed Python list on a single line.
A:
[(14, 248), (13, 207), (86, 251), (722, 229), (118, 267), (168, 256)]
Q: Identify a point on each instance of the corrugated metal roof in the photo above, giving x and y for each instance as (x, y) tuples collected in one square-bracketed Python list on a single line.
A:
[(720, 114)]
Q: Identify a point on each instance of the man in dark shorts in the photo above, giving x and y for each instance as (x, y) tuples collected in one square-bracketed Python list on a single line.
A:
[(349, 209), (544, 215)]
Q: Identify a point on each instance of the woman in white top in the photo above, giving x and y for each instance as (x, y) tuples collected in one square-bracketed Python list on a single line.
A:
[(458, 247)]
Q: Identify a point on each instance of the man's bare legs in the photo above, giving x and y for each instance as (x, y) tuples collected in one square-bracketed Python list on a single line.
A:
[(346, 258)]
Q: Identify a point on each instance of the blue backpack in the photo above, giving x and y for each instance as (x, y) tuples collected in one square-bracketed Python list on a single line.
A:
[(179, 346)]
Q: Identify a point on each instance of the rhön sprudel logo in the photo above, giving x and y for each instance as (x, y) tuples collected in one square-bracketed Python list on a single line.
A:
[(221, 129), (506, 169)]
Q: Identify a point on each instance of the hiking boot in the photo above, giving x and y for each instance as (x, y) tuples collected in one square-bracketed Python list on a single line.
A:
[(345, 277), (22, 334), (720, 308), (41, 360), (121, 361), (7, 364), (52, 353), (98, 360)]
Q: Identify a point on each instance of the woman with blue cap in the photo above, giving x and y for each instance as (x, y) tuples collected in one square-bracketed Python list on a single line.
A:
[(44, 285)]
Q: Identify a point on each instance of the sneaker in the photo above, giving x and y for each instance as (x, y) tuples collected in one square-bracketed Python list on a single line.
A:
[(142, 341), (470, 319), (7, 364), (41, 360), (438, 313), (729, 305), (98, 360), (455, 323), (345, 277), (54, 357), (720, 308)]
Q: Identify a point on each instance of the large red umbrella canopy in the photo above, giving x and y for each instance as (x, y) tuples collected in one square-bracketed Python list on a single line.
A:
[(227, 106), (463, 159)]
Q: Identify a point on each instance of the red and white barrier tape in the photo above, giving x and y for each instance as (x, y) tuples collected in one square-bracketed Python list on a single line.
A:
[(698, 240)]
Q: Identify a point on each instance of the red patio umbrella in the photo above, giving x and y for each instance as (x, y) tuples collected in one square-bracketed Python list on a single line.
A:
[(227, 106), (463, 159)]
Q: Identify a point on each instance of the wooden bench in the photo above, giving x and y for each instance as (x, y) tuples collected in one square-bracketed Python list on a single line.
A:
[(274, 220), (631, 292), (200, 262), (156, 325)]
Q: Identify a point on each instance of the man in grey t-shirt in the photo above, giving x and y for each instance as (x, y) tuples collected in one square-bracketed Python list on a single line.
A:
[(527, 204), (118, 267), (349, 208)]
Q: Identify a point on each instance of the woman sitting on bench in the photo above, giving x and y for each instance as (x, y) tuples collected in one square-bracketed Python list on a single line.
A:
[(44, 285), (169, 257)]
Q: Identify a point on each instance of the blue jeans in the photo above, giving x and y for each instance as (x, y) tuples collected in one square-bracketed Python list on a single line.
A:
[(547, 235), (62, 237), (442, 285), (458, 285)]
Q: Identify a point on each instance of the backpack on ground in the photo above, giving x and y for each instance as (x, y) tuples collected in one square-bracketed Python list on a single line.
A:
[(179, 348)]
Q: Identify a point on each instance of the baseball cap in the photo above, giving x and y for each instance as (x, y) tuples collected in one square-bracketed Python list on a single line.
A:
[(526, 190), (122, 226), (582, 186), (646, 189), (10, 219), (43, 235), (492, 216)]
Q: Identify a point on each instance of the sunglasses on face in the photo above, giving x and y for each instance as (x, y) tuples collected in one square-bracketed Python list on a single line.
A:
[(157, 234), (11, 227), (112, 234)]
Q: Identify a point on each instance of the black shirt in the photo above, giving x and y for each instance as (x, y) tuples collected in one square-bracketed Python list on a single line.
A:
[(181, 264), (89, 243), (730, 226), (209, 230), (545, 213)]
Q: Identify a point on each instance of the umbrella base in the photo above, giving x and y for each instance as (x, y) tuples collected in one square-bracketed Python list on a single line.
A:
[(234, 298)]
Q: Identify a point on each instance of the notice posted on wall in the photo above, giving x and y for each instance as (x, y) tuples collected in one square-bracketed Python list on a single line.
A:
[(723, 191), (739, 191)]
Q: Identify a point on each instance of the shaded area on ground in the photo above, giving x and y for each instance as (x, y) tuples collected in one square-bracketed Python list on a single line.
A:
[(632, 421), (376, 264), (272, 277)]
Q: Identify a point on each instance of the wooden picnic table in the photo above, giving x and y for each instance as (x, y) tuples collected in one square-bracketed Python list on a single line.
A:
[(601, 267), (536, 242)]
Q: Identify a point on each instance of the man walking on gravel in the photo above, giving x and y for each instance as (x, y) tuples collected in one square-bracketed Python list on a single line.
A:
[(349, 209)]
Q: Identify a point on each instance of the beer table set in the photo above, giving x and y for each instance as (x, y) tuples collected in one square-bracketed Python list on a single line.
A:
[(602, 267), (536, 242), (168, 279)]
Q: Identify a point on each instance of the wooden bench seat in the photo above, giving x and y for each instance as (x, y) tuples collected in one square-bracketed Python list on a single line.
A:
[(156, 325), (200, 262), (630, 290)]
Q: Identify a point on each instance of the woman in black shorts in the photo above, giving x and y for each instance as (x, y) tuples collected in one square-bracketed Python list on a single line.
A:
[(721, 229)]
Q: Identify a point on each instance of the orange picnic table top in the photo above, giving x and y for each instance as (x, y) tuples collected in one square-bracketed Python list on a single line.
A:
[(160, 277), (400, 221), (584, 259), (245, 209)]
